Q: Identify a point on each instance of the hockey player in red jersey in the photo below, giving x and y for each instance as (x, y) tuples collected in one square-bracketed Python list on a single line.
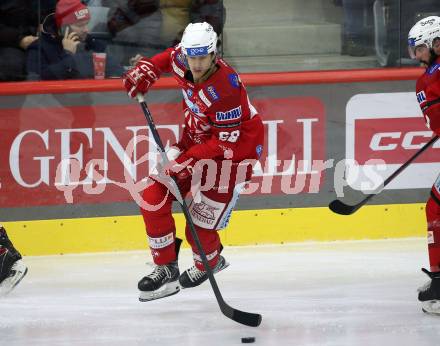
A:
[(221, 125), (424, 45), (12, 268)]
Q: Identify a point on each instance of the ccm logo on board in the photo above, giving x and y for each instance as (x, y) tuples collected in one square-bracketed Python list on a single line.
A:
[(393, 140), (383, 130), (384, 141)]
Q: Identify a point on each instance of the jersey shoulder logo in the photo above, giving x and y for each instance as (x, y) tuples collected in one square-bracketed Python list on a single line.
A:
[(234, 80), (432, 69)]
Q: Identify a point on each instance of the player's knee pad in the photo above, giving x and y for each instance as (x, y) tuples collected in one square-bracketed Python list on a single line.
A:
[(213, 211)]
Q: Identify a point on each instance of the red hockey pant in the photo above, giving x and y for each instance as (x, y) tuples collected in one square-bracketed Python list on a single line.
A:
[(209, 215), (433, 219)]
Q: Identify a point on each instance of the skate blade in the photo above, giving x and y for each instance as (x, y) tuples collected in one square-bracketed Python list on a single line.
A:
[(224, 266), (9, 283), (431, 307), (171, 289)]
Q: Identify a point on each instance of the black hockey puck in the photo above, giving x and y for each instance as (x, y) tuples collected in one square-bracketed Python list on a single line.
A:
[(248, 340)]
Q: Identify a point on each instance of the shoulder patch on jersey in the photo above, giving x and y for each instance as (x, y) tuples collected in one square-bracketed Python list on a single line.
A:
[(189, 92), (231, 114), (212, 92), (433, 68), (234, 80)]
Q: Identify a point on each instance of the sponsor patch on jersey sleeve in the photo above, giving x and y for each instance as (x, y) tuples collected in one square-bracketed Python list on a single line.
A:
[(212, 93), (433, 69), (234, 80)]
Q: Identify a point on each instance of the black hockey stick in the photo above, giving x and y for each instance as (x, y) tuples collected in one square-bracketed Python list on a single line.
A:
[(246, 318), (340, 207)]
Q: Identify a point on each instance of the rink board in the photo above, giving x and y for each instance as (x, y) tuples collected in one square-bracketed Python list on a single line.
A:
[(247, 227), (309, 118)]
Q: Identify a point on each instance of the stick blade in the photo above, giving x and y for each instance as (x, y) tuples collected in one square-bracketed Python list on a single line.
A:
[(341, 208), (247, 318)]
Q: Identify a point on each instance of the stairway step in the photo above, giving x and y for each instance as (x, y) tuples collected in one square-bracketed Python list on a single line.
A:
[(300, 63), (255, 12), (299, 38)]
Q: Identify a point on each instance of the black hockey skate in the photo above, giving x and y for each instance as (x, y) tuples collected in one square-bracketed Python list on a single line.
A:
[(193, 277), (429, 294), (12, 268), (162, 282)]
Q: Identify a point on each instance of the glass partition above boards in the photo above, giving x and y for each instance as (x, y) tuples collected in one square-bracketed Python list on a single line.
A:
[(96, 39)]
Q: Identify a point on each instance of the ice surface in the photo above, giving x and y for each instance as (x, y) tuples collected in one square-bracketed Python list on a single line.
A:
[(327, 294)]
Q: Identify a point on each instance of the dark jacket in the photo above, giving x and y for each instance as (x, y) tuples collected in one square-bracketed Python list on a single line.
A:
[(17, 20), (47, 59)]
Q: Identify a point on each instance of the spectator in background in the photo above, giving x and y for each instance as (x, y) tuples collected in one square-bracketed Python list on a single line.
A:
[(18, 26), (134, 25), (147, 27), (175, 17), (210, 11), (64, 49)]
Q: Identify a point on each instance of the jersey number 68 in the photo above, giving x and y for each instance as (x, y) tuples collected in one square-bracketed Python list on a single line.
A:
[(229, 136)]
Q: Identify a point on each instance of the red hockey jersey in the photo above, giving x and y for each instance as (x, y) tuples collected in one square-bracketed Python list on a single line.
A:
[(220, 121), (428, 95)]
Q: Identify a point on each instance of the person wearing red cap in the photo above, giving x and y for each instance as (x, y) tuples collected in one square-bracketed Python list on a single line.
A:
[(64, 49), (73, 16)]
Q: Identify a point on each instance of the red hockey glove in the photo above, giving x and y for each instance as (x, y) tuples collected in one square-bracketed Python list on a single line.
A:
[(141, 77), (181, 168)]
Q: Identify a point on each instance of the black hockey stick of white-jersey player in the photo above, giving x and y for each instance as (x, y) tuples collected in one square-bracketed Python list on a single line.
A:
[(340, 207), (243, 317)]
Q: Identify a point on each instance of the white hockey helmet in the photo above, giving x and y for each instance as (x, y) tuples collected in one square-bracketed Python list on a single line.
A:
[(199, 39), (423, 33)]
